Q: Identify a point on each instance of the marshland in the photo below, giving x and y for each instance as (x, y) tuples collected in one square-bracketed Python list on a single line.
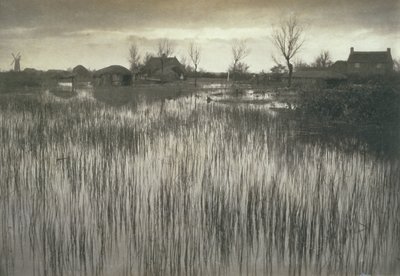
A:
[(177, 185)]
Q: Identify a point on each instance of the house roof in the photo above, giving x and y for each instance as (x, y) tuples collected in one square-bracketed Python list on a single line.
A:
[(324, 75), (80, 70), (370, 57), (113, 69), (340, 62), (155, 63)]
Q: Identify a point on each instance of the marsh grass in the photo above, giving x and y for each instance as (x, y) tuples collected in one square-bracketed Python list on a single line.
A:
[(182, 187)]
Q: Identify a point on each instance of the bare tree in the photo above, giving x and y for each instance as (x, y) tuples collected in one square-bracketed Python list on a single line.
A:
[(278, 69), (288, 39), (186, 64), (147, 57), (239, 52), (134, 58), (323, 60), (396, 64), (194, 52), (165, 49), (300, 65)]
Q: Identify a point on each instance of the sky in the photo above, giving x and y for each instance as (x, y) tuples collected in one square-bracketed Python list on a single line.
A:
[(60, 34)]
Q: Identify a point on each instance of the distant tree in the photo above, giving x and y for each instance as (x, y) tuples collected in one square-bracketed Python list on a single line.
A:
[(239, 52), (147, 57), (300, 65), (323, 60), (194, 52), (241, 68), (184, 61), (288, 39), (134, 58), (165, 48), (278, 69)]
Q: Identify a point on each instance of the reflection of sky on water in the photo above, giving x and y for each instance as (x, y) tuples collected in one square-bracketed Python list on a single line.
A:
[(222, 181)]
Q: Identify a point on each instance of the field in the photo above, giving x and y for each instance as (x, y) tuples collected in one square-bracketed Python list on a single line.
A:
[(143, 184)]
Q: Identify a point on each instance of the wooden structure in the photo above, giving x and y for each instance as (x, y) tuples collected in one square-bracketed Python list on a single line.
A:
[(164, 68), (66, 81), (114, 75), (17, 62), (61, 80), (82, 74)]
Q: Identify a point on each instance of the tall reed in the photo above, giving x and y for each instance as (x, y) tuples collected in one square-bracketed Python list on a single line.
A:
[(182, 187)]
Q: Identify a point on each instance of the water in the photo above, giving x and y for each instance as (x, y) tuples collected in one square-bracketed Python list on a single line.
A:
[(183, 187)]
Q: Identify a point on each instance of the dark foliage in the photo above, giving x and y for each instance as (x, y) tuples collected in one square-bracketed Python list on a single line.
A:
[(13, 80), (355, 104)]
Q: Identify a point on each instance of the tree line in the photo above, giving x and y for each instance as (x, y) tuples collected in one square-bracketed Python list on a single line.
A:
[(287, 37)]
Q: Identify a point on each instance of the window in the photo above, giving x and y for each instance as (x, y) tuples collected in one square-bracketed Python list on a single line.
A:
[(356, 65), (379, 66)]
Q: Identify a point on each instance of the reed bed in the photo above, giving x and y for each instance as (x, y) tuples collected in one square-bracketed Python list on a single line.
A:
[(182, 187)]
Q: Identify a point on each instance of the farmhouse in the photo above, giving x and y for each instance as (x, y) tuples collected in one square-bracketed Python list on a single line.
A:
[(114, 75), (164, 68), (323, 79), (369, 63)]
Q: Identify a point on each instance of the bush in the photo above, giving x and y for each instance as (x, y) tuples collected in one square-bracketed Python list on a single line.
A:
[(15, 80), (355, 104)]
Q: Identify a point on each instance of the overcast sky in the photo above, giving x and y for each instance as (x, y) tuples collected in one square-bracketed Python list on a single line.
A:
[(96, 33)]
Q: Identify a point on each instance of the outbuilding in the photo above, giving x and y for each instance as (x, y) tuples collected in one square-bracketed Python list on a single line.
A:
[(114, 75), (81, 74), (164, 68)]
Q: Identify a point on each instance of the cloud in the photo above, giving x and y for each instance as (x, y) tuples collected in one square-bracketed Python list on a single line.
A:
[(86, 30), (103, 14)]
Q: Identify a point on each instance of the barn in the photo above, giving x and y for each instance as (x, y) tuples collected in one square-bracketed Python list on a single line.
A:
[(81, 74), (114, 75), (164, 69)]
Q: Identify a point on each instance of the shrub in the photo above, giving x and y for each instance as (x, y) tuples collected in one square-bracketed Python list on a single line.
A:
[(355, 104), (13, 80)]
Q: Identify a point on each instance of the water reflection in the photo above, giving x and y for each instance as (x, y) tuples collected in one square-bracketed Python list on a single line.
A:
[(182, 187)]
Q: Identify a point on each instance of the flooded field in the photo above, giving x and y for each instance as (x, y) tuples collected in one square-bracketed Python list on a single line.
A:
[(186, 187)]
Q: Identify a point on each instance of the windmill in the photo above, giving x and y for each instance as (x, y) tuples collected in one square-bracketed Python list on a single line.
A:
[(16, 62)]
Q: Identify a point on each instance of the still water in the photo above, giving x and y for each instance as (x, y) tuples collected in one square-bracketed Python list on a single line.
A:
[(186, 187)]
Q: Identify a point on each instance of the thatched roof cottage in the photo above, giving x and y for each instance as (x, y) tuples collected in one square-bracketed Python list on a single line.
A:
[(114, 75), (164, 68), (82, 74)]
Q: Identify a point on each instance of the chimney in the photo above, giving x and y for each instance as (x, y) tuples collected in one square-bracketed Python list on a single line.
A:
[(351, 50), (388, 50)]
